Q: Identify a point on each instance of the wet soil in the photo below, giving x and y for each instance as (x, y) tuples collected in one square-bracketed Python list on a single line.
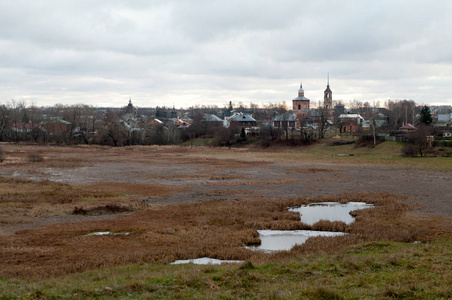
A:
[(208, 178)]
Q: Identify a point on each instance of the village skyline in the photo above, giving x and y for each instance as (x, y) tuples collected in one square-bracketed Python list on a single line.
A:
[(314, 102)]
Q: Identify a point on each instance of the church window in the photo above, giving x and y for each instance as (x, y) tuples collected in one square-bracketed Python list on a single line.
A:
[(299, 106)]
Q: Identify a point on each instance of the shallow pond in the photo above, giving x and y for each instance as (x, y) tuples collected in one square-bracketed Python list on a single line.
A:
[(331, 211), (279, 240)]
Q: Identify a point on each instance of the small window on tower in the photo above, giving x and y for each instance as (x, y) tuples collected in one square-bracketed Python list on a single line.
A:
[(299, 106)]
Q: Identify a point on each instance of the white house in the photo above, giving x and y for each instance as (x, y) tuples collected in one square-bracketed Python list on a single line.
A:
[(444, 118)]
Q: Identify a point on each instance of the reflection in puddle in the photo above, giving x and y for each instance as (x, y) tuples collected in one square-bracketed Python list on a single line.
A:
[(108, 233), (279, 240), (330, 211), (206, 261)]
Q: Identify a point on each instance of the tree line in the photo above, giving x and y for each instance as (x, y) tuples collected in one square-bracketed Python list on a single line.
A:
[(85, 124)]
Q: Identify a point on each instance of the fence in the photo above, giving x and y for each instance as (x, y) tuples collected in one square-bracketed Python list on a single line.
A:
[(397, 138), (442, 144)]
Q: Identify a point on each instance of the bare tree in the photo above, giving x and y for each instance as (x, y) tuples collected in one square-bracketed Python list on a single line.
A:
[(5, 119), (418, 138), (111, 131), (17, 109), (154, 135), (226, 136), (374, 129), (401, 112), (285, 123), (267, 135), (322, 122), (35, 118), (172, 135), (2, 158)]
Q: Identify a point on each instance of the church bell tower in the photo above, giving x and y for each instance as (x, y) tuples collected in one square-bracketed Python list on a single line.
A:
[(328, 100), (328, 96)]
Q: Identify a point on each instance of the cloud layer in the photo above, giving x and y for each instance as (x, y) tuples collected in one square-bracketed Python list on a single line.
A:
[(210, 52)]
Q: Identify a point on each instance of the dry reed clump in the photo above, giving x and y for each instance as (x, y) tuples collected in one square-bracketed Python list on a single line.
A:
[(213, 229), (324, 225), (226, 177), (100, 210), (36, 157), (301, 170)]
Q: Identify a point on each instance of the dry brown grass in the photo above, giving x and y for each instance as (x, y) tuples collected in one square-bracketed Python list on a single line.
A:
[(172, 176), (166, 233), (215, 177), (213, 229), (325, 225), (22, 197), (325, 179), (63, 163), (219, 163), (302, 170), (9, 220), (253, 182)]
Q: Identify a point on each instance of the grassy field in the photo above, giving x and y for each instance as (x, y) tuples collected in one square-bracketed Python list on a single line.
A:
[(368, 270), (386, 154), (388, 252)]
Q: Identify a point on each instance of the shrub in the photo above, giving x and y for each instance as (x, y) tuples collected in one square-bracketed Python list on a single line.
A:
[(341, 143), (100, 210), (442, 143), (226, 136), (368, 141), (35, 158), (409, 150), (2, 158)]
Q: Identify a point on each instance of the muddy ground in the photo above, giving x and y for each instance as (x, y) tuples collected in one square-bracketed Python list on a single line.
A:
[(203, 174)]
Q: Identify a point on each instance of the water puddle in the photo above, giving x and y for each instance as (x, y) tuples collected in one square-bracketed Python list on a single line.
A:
[(330, 211), (280, 240), (107, 233), (206, 261)]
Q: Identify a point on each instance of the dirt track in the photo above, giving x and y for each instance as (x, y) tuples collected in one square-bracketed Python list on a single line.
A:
[(206, 178)]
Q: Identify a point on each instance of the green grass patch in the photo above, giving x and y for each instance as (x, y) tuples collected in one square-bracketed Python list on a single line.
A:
[(369, 270), (387, 154)]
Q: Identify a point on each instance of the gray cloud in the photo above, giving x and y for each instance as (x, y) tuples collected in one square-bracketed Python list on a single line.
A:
[(210, 52)]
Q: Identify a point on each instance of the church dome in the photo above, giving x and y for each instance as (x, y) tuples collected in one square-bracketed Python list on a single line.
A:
[(301, 91)]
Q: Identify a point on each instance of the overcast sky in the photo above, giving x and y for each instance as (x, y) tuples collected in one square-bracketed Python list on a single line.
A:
[(185, 53)]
